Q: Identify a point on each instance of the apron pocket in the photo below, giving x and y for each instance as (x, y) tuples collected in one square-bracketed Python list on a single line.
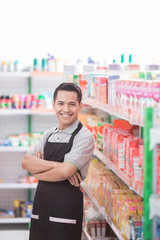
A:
[(62, 220), (33, 216)]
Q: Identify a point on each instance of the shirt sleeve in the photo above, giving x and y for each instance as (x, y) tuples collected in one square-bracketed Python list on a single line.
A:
[(40, 145), (82, 149)]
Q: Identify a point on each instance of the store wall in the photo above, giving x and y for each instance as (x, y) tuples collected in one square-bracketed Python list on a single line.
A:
[(78, 28)]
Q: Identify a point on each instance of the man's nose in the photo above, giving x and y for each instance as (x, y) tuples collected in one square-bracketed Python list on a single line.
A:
[(66, 108)]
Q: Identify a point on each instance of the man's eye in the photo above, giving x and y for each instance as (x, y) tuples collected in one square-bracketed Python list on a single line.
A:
[(60, 103), (72, 104)]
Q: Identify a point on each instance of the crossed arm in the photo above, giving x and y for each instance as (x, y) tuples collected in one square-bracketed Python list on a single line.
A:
[(49, 170)]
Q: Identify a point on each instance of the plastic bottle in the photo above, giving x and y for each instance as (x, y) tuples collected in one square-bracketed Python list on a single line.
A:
[(132, 66), (28, 99), (9, 102), (15, 66), (35, 64), (51, 63), (22, 101), (3, 102), (33, 101), (44, 65), (15, 99), (41, 101)]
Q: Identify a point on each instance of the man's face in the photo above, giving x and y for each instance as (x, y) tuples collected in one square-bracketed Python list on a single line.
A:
[(66, 107)]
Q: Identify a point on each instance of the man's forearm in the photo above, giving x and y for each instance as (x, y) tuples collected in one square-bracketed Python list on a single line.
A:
[(59, 173), (37, 165)]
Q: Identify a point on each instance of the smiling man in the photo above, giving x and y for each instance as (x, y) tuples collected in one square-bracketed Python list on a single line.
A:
[(60, 161)]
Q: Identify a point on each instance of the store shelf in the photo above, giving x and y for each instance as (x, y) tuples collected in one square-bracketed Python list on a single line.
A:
[(13, 149), (6, 112), (46, 73), (87, 234), (111, 110), (18, 185), (132, 184), (15, 74), (101, 209), (14, 220), (154, 203)]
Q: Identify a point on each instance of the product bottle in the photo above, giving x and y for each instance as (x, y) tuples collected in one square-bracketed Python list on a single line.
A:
[(131, 66), (41, 101), (44, 66), (35, 64)]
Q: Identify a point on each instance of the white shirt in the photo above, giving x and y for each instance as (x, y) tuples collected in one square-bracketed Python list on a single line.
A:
[(81, 151)]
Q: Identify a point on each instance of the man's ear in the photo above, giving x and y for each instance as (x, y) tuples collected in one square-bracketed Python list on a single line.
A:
[(80, 105), (53, 103)]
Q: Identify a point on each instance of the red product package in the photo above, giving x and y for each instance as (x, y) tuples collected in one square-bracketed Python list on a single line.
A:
[(106, 138), (107, 133), (119, 150), (130, 143), (103, 90), (141, 162), (134, 170), (123, 124)]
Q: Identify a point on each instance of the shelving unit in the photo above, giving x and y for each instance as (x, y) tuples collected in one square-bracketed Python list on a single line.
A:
[(133, 185), (93, 90), (11, 112), (18, 185), (102, 211), (154, 203), (111, 110), (14, 220), (13, 149), (87, 234), (17, 121)]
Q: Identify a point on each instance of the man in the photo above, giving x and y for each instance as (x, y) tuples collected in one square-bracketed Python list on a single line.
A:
[(59, 161)]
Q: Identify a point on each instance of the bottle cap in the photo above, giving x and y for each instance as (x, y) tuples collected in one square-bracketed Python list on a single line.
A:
[(41, 97)]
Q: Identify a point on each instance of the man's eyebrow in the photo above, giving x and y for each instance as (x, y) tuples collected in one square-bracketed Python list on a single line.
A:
[(59, 101)]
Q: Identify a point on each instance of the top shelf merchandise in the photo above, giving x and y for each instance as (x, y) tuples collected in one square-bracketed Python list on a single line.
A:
[(126, 99)]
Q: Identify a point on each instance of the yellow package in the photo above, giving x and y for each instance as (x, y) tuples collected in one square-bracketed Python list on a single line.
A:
[(126, 198), (130, 209), (118, 212), (114, 198), (140, 208), (121, 218), (137, 198)]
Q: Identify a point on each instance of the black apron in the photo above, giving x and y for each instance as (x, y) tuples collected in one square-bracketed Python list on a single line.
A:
[(58, 206)]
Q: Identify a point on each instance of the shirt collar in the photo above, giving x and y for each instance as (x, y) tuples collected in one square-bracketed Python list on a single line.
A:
[(68, 130)]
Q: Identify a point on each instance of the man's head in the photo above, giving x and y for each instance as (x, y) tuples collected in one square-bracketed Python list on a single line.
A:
[(67, 104), (71, 87)]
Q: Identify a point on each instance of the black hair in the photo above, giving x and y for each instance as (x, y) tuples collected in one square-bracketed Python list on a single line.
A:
[(67, 86)]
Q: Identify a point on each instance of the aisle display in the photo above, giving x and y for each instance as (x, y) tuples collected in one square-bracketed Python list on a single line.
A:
[(127, 107), (120, 203), (94, 223)]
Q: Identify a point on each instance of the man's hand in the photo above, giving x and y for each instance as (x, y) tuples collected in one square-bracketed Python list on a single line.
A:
[(75, 179), (39, 154)]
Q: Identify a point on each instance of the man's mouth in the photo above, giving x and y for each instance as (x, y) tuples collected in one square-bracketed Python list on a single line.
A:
[(66, 115)]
